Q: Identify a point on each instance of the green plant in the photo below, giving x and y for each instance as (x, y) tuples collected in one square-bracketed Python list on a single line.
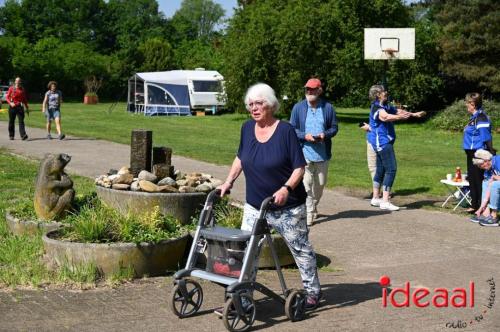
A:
[(82, 274), (455, 116), (90, 94), (23, 209), (228, 215)]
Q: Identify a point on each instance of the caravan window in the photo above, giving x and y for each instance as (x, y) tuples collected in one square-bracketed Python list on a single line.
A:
[(206, 86), (159, 96)]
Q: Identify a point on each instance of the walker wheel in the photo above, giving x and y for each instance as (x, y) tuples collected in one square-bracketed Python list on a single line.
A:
[(295, 305), (186, 306), (232, 320)]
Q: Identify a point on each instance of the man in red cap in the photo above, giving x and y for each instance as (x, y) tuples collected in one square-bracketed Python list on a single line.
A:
[(315, 123)]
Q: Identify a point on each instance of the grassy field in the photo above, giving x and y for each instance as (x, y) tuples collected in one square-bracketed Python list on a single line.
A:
[(424, 155), (21, 262)]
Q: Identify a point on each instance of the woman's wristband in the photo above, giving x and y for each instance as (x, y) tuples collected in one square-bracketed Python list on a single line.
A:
[(288, 188)]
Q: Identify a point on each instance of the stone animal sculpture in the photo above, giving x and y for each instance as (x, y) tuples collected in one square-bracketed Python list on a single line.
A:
[(53, 189)]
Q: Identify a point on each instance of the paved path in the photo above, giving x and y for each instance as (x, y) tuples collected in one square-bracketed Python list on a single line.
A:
[(428, 248)]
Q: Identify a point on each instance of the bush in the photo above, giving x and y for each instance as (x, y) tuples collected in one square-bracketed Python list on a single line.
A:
[(455, 116)]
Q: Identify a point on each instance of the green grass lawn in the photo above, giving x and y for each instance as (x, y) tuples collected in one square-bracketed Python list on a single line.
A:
[(424, 155), (21, 256)]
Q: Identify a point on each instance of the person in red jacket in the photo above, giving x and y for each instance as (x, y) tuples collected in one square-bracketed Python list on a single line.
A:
[(18, 104)]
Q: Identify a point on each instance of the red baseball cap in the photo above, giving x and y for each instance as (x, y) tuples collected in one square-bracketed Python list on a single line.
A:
[(313, 83)]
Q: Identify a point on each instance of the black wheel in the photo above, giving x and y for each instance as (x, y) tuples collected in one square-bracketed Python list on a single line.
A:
[(186, 306), (232, 320), (295, 305)]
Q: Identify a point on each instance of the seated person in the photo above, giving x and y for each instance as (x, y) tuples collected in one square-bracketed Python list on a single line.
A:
[(487, 215)]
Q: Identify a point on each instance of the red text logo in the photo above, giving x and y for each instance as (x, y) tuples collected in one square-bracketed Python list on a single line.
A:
[(421, 297)]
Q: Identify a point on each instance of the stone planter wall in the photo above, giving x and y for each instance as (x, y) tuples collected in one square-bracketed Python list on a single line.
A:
[(145, 259), (29, 227), (284, 255), (182, 206)]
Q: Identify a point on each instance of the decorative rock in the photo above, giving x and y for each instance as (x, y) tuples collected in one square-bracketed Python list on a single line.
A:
[(181, 183), (204, 188), (113, 177), (140, 150), (135, 186), (163, 170), (112, 171), (194, 175), (186, 189), (120, 186), (177, 174), (167, 181), (124, 170), (162, 155), (206, 175), (215, 183), (192, 182), (148, 186), (147, 176), (168, 189), (127, 179)]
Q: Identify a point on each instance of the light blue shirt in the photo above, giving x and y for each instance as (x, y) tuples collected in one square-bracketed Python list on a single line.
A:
[(315, 125)]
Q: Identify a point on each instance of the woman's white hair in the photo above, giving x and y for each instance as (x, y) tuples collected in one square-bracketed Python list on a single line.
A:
[(480, 156), (264, 92)]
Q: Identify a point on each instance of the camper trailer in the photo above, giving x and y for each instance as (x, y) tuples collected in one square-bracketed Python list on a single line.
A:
[(178, 92)]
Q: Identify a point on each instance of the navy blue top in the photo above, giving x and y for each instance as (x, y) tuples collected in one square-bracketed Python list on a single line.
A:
[(477, 131), (381, 133), (267, 166)]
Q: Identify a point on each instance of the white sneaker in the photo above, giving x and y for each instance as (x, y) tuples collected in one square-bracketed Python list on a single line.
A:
[(388, 206), (310, 220), (375, 202)]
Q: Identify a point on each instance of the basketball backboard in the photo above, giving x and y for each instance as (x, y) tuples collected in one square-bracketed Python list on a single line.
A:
[(389, 43)]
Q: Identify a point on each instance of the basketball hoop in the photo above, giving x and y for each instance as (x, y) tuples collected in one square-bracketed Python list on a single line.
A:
[(390, 53)]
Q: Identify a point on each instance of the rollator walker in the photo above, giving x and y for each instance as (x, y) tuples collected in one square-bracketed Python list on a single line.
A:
[(231, 268)]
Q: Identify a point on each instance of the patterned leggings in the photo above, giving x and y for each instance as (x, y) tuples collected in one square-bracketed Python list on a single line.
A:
[(291, 225)]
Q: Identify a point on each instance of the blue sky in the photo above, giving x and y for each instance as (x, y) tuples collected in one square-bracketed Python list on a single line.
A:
[(169, 7)]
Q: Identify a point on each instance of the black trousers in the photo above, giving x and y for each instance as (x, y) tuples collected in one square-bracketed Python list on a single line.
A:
[(475, 177), (18, 112)]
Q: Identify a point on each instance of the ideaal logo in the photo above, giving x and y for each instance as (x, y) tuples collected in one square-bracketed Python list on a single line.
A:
[(439, 298), (424, 297)]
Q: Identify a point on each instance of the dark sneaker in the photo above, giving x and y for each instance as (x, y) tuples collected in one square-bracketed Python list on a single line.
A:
[(25, 137), (11, 138), (475, 219), (62, 136), (49, 136), (489, 222), (312, 302)]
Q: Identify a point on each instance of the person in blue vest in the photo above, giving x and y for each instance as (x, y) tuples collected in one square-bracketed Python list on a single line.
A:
[(381, 137), (315, 123), (487, 213), (477, 135)]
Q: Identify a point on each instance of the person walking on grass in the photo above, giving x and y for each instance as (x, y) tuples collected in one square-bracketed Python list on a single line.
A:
[(315, 123), (18, 106), (51, 107)]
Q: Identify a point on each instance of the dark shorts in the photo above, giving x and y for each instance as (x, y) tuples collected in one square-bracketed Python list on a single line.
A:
[(52, 113)]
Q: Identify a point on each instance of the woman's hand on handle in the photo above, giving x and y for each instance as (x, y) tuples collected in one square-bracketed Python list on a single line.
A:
[(281, 196)]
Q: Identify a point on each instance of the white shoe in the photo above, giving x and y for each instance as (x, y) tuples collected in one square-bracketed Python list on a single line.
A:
[(375, 202), (388, 206), (310, 220)]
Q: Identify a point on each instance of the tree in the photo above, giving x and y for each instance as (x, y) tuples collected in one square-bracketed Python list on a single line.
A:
[(470, 41), (283, 43), (156, 55), (197, 19)]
